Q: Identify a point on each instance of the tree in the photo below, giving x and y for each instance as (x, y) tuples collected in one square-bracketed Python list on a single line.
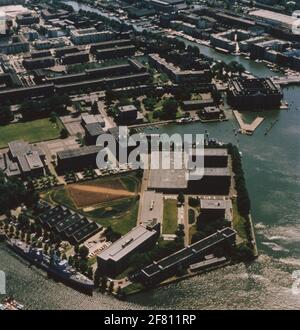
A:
[(71, 261), (97, 278), (112, 235), (12, 193), (180, 198), (90, 273), (64, 133), (83, 252), (244, 253), (194, 202), (6, 115), (53, 117), (103, 284), (83, 265), (111, 287), (23, 221), (94, 108), (180, 231), (169, 108), (76, 249)]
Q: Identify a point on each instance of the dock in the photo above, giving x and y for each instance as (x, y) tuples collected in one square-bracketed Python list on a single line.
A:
[(287, 80), (247, 128)]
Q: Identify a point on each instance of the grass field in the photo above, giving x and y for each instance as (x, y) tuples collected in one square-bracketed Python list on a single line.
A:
[(239, 223), (119, 213), (33, 131), (170, 221)]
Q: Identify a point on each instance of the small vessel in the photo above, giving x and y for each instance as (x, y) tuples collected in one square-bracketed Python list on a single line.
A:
[(184, 120), (10, 304)]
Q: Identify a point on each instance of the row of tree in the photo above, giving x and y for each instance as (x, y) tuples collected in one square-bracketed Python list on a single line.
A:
[(13, 193), (41, 109), (243, 200)]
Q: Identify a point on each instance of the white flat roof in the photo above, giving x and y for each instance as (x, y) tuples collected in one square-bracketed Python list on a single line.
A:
[(127, 243), (276, 17)]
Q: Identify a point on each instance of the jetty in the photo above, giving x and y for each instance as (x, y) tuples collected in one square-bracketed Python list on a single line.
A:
[(247, 128)]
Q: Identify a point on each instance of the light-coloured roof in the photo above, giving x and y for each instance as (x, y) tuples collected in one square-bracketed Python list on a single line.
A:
[(127, 243), (273, 16)]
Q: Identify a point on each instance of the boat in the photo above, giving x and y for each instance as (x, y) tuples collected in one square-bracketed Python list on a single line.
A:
[(10, 304), (56, 268), (184, 120)]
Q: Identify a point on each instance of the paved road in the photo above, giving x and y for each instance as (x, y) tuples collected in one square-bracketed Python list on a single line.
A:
[(186, 221), (144, 186)]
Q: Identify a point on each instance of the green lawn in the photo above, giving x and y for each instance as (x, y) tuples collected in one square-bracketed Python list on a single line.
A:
[(192, 216), (239, 223), (170, 219), (33, 131), (120, 214)]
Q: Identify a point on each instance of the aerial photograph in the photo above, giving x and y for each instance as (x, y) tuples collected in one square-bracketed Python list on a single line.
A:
[(149, 156)]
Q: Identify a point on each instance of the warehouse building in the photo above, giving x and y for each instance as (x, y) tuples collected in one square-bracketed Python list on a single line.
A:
[(18, 44), (22, 159), (60, 52), (73, 58), (38, 63), (109, 44), (214, 180), (19, 94), (77, 159), (115, 52), (167, 267), (105, 83), (254, 93), (27, 19), (214, 209), (168, 6), (90, 35), (176, 74), (114, 259)]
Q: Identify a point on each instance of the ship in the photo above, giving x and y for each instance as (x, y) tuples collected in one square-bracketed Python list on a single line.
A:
[(58, 269)]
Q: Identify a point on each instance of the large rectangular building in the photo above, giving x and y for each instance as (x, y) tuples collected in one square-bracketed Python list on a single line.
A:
[(212, 178), (176, 74), (77, 159), (253, 94), (273, 18), (115, 258), (167, 267), (88, 36), (23, 159), (115, 52), (39, 63)]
